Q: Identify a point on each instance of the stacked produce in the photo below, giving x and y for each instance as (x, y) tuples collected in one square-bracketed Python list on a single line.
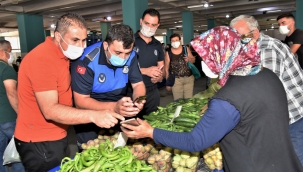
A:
[(185, 122), (104, 135), (158, 156), (104, 158), (213, 157), (160, 159), (184, 161)]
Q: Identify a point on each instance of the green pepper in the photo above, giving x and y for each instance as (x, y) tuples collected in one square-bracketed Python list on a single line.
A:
[(130, 160), (138, 164), (118, 168), (147, 168), (99, 164), (86, 163), (88, 169), (106, 165), (107, 155)]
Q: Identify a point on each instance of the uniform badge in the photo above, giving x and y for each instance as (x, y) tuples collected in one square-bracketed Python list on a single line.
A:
[(102, 77), (81, 70), (156, 53), (125, 69)]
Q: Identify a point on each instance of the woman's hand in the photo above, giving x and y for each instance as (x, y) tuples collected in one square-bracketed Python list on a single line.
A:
[(141, 131), (168, 88), (185, 59)]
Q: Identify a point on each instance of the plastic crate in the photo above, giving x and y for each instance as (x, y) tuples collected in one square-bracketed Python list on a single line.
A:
[(55, 169)]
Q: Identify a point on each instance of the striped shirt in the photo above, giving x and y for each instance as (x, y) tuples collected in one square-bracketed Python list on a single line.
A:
[(277, 57)]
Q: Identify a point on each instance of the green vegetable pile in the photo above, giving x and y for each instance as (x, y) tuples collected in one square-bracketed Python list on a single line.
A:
[(185, 122), (103, 159)]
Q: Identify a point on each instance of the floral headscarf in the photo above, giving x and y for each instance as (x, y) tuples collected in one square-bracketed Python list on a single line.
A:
[(222, 51)]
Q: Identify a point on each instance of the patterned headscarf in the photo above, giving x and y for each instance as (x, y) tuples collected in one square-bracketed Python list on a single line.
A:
[(222, 51)]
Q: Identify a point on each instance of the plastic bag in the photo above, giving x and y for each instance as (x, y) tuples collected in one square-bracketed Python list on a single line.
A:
[(11, 154), (194, 70)]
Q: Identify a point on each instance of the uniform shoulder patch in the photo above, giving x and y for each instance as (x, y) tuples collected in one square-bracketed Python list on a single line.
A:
[(91, 55), (156, 52)]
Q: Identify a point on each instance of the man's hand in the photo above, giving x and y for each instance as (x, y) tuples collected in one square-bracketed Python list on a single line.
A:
[(141, 131), (154, 72), (106, 118), (125, 107), (140, 104), (156, 79)]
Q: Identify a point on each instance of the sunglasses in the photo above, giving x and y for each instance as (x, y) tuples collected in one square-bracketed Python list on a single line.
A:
[(248, 35)]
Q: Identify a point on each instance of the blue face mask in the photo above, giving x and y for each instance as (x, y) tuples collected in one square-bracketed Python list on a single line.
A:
[(116, 60)]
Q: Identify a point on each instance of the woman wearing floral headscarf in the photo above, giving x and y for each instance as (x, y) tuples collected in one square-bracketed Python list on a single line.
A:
[(248, 115)]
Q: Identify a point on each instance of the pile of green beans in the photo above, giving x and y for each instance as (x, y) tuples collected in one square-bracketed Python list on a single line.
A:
[(104, 159)]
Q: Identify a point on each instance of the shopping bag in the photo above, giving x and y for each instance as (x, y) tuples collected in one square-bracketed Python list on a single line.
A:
[(194, 70), (11, 154)]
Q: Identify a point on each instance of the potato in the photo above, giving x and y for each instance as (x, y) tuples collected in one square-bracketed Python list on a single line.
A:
[(151, 159)]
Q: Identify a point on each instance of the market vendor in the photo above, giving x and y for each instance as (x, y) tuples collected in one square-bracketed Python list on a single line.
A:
[(100, 77), (248, 115)]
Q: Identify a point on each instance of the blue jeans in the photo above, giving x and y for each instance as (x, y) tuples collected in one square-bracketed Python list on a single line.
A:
[(6, 133), (296, 134)]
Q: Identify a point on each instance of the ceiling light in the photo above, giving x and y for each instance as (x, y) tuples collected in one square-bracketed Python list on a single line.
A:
[(108, 17), (227, 16), (272, 11), (272, 26), (195, 6), (179, 26), (180, 21), (272, 19), (266, 30), (206, 5), (53, 25), (175, 22), (164, 33), (211, 5), (118, 23), (199, 26)]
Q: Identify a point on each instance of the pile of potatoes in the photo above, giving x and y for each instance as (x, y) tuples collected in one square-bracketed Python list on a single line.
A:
[(102, 137), (160, 158), (213, 157)]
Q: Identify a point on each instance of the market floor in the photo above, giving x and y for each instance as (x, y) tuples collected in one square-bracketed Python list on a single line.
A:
[(200, 85)]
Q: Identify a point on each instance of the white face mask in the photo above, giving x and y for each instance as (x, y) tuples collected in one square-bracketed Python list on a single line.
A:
[(207, 71), (175, 44), (147, 31), (11, 58), (284, 30), (72, 52)]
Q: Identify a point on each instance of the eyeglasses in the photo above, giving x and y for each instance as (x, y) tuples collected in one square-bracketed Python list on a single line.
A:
[(153, 25), (248, 35)]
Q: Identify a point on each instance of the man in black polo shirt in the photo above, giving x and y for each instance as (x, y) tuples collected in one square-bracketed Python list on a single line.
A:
[(151, 58), (294, 36)]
